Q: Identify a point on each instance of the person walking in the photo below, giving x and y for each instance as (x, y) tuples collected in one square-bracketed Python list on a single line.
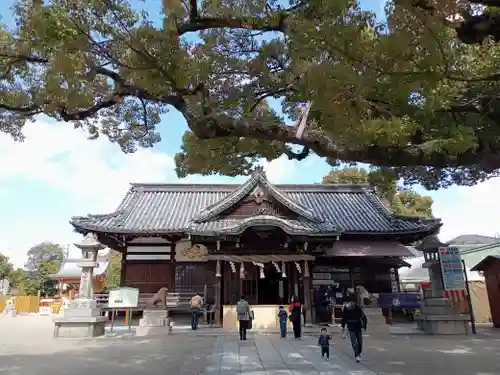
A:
[(324, 343), (244, 315), (283, 317), (195, 305), (355, 319), (295, 310)]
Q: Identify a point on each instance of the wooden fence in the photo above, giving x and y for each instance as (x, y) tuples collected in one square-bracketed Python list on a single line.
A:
[(3, 302), (27, 304)]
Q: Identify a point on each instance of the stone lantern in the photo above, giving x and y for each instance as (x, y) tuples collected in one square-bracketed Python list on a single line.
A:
[(89, 247), (438, 316), (83, 318)]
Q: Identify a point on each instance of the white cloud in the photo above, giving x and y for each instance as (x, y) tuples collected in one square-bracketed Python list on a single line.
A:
[(60, 156), (473, 210), (279, 170), (96, 173)]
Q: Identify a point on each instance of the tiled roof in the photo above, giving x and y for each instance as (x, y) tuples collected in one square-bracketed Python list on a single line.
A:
[(474, 240), (183, 208)]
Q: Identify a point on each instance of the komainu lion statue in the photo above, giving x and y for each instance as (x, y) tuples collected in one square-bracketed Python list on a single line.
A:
[(159, 299), (365, 298)]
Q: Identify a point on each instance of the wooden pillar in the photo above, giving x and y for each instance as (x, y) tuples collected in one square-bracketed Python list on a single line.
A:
[(308, 303), (127, 316), (123, 268), (173, 266)]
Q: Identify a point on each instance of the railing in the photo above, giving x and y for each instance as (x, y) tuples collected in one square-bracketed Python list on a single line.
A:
[(177, 300)]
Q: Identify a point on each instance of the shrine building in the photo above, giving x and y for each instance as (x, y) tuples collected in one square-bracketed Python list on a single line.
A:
[(261, 240)]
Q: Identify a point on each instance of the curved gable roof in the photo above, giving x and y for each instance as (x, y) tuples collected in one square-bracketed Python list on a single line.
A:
[(257, 178)]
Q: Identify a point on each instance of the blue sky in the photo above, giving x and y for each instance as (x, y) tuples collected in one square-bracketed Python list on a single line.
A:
[(57, 173)]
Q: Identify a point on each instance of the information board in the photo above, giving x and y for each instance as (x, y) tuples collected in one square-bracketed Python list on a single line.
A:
[(452, 268), (122, 298)]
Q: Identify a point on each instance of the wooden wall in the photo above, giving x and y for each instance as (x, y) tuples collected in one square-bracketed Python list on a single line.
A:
[(149, 277), (148, 265), (492, 278)]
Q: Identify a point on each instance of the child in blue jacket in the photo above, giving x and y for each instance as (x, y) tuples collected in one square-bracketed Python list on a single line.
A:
[(283, 317)]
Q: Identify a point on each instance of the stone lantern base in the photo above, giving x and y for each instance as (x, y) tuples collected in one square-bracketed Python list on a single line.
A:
[(81, 319), (438, 317)]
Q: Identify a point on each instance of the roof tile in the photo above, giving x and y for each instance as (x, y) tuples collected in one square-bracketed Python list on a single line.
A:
[(171, 208)]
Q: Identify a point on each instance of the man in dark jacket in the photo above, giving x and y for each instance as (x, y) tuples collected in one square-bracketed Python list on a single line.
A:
[(355, 319)]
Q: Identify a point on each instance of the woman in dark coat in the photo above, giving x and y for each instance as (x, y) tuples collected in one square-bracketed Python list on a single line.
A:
[(295, 315)]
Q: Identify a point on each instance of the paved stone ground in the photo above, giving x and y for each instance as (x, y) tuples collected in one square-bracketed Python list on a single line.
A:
[(27, 347), (425, 355), (270, 355)]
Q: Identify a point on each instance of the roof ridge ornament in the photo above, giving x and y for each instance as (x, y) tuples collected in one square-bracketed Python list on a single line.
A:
[(259, 169)]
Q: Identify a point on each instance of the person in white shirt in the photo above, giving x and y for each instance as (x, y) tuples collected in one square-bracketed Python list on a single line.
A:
[(195, 305)]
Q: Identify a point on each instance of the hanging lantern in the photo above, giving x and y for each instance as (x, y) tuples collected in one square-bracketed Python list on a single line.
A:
[(261, 267), (277, 267), (242, 271), (306, 269), (283, 268), (306, 244), (217, 269), (218, 245), (233, 267), (297, 265)]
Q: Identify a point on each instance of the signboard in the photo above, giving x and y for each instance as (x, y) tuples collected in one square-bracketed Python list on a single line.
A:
[(123, 298), (452, 268), (399, 300)]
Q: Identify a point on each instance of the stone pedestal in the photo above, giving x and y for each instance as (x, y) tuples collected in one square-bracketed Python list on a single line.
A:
[(82, 318), (376, 320), (154, 322), (438, 317), (154, 318)]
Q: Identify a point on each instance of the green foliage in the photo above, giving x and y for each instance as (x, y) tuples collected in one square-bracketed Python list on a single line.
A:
[(18, 278), (44, 260), (402, 201), (46, 253), (5, 267), (114, 270), (407, 96)]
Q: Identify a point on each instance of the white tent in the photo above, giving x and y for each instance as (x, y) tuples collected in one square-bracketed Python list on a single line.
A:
[(417, 274)]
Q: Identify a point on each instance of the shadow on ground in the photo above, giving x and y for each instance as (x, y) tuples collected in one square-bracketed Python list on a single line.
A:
[(183, 356), (425, 355)]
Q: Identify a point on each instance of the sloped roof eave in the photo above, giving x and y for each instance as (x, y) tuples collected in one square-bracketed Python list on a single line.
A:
[(167, 210), (290, 227), (480, 266)]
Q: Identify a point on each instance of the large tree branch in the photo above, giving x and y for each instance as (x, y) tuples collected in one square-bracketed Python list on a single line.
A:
[(221, 125), (473, 29), (121, 91), (274, 21)]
